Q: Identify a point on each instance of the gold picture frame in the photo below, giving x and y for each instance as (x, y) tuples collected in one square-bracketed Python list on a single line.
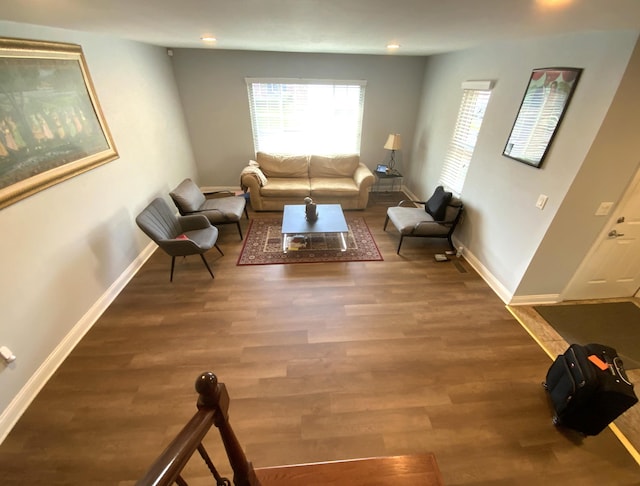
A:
[(51, 124)]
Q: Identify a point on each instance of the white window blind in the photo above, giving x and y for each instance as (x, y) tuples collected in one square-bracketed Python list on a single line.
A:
[(297, 116), (465, 135)]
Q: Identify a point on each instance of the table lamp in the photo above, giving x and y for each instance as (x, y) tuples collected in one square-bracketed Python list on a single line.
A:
[(393, 144)]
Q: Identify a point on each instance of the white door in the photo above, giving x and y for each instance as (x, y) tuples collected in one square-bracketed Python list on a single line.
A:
[(612, 268)]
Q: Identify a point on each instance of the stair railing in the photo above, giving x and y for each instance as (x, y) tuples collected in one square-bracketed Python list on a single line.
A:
[(213, 409)]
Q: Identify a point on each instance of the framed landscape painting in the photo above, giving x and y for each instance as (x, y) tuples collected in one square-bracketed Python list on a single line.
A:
[(51, 124), (543, 106)]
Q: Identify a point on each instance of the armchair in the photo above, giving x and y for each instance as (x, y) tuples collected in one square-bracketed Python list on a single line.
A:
[(189, 199), (437, 219), (178, 236)]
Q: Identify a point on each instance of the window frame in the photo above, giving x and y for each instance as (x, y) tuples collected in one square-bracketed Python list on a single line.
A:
[(475, 96), (308, 124)]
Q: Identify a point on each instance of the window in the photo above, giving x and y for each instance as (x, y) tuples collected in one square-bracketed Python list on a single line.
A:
[(297, 116), (475, 99)]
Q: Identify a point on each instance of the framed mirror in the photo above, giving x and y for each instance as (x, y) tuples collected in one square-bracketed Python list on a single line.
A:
[(543, 106)]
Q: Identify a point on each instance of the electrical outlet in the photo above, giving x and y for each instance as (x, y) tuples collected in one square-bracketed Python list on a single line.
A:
[(542, 200), (7, 354)]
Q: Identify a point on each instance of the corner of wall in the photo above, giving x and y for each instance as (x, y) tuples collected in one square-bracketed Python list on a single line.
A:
[(500, 290)]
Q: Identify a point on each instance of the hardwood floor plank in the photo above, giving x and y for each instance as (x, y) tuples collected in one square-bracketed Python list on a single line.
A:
[(322, 362)]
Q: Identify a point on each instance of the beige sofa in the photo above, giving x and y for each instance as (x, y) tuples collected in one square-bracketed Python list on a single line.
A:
[(276, 180)]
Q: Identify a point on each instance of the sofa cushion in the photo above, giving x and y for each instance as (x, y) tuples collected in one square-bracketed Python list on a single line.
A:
[(283, 166), (405, 219), (223, 209), (337, 166), (333, 186), (286, 187), (437, 204), (187, 196)]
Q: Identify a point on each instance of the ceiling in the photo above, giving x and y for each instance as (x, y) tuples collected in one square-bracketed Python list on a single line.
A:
[(421, 27)]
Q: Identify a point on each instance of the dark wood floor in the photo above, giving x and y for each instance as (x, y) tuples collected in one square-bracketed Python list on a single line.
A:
[(322, 361)]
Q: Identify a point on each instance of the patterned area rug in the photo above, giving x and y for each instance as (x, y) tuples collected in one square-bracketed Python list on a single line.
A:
[(263, 245)]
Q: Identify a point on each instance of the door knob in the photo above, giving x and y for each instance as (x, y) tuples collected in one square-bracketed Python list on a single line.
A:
[(614, 234)]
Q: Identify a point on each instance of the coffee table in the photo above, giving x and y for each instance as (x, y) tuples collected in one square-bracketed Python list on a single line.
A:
[(330, 220)]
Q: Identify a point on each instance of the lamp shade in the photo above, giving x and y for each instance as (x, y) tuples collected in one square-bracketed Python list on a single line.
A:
[(393, 142)]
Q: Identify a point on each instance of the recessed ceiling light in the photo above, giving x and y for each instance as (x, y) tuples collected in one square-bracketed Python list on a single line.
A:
[(551, 4), (208, 38), (393, 46)]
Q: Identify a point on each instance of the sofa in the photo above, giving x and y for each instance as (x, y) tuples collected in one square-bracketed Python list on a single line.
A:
[(275, 180)]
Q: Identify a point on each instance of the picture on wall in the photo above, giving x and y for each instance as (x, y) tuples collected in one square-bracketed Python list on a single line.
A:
[(543, 106), (51, 125)]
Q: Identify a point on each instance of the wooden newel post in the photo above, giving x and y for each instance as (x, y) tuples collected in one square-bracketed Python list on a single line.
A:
[(214, 396)]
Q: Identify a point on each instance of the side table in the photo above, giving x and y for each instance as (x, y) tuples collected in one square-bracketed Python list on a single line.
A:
[(392, 176)]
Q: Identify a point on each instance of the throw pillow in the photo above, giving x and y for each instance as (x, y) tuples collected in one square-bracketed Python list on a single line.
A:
[(437, 204)]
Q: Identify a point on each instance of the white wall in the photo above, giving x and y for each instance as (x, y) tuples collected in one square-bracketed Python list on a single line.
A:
[(607, 171), (65, 251), (214, 95), (502, 228)]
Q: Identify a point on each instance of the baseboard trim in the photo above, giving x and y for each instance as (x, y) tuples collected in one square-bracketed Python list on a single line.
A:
[(500, 290), (411, 195), (45, 371), (535, 299)]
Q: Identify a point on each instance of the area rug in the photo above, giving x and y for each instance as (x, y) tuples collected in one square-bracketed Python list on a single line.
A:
[(263, 245), (615, 324)]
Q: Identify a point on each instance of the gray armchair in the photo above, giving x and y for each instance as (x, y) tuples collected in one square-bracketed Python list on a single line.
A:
[(178, 235), (438, 217), (189, 199)]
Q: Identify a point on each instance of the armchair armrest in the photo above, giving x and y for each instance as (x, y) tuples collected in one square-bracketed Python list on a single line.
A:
[(411, 201), (225, 192), (193, 222), (427, 222)]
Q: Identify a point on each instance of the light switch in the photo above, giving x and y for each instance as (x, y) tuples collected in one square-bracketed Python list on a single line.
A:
[(604, 208), (542, 200)]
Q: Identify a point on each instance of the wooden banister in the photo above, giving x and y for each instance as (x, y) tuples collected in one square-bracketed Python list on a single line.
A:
[(213, 409), (170, 463), (214, 395)]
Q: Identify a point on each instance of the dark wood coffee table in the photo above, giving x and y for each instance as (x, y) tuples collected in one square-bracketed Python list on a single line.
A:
[(330, 220)]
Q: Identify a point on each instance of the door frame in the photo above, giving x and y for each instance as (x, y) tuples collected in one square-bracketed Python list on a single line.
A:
[(632, 187)]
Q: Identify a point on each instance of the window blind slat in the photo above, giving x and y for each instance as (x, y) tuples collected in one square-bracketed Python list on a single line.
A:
[(463, 141)]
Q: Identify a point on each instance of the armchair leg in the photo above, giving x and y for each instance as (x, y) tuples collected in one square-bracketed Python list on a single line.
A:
[(173, 262), (386, 221), (206, 264), (400, 244), (218, 248), (239, 229)]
